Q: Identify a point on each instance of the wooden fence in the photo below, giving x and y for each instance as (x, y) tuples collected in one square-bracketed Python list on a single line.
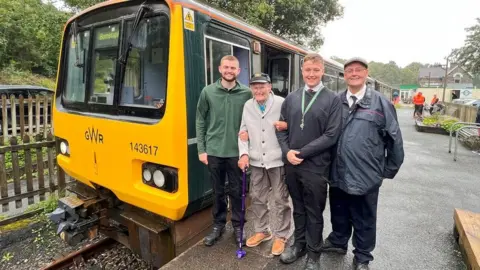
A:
[(465, 113), (28, 166)]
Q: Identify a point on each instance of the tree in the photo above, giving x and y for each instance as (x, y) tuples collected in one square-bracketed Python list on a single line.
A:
[(298, 20), (30, 35), (78, 5), (468, 56)]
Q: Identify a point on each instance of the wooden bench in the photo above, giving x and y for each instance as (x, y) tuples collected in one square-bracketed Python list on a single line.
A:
[(467, 235)]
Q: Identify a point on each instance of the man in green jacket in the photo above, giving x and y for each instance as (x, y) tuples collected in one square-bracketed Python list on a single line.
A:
[(219, 114)]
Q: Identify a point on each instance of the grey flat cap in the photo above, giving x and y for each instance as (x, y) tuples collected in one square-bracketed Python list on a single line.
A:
[(356, 60)]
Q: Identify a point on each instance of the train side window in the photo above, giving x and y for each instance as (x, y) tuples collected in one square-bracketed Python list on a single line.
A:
[(330, 82), (279, 69), (145, 80), (342, 86), (215, 50)]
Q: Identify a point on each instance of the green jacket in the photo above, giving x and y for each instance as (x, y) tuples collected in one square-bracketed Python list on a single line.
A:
[(219, 115)]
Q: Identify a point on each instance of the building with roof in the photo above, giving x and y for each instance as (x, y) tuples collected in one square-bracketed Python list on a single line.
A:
[(457, 77)]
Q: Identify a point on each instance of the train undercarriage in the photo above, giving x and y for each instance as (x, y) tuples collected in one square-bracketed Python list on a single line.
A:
[(157, 240)]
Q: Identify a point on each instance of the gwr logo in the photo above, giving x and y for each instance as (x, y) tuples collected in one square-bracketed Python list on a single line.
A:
[(93, 135)]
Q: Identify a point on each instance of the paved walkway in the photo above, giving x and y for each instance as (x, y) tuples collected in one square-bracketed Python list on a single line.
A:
[(415, 215)]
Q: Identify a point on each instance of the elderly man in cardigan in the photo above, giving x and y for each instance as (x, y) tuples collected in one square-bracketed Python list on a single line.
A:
[(264, 156)]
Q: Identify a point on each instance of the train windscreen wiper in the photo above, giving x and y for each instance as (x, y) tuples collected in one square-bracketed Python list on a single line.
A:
[(75, 40), (140, 14)]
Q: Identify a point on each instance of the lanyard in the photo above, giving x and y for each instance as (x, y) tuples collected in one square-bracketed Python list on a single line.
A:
[(304, 111)]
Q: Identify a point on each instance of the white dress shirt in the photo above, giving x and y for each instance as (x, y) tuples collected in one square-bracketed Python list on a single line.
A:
[(359, 95), (315, 89)]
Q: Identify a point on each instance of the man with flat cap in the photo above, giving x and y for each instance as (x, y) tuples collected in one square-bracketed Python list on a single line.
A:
[(369, 150), (264, 155)]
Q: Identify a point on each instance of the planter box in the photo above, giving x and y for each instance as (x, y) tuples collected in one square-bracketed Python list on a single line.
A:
[(420, 127)]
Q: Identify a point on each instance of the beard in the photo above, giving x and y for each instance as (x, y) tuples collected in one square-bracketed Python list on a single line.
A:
[(229, 80)]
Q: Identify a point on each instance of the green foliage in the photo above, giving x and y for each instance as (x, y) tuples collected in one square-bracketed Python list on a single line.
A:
[(390, 72), (13, 75), (30, 35), (469, 55), (443, 121)]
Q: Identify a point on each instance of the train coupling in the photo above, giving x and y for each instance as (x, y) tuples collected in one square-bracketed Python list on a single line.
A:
[(75, 219)]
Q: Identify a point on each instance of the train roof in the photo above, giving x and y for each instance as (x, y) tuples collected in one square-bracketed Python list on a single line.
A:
[(231, 19)]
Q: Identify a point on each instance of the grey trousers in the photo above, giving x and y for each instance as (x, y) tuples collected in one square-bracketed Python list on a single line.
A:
[(261, 180)]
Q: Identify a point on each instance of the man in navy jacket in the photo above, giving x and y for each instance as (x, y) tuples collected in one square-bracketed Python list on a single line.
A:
[(369, 150)]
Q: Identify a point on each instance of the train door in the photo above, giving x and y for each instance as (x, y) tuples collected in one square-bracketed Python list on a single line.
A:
[(279, 69)]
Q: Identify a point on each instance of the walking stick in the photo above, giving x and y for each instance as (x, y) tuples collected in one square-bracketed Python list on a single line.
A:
[(240, 252)]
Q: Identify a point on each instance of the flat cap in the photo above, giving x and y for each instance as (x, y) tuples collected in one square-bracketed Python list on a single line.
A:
[(356, 60), (260, 78)]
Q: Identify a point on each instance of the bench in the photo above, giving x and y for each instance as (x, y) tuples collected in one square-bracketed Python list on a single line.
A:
[(467, 234)]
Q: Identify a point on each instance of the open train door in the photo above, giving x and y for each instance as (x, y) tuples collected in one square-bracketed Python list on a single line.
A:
[(279, 69)]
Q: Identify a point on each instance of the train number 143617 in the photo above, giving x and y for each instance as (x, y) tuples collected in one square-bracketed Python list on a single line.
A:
[(144, 148)]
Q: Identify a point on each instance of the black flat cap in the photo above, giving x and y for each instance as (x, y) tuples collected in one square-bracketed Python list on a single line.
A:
[(260, 78), (359, 60)]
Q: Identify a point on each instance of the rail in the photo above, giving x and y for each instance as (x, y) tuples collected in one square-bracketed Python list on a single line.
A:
[(83, 254), (456, 138), (451, 131)]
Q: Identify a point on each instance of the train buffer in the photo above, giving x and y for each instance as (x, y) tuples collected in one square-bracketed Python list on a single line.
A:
[(467, 234)]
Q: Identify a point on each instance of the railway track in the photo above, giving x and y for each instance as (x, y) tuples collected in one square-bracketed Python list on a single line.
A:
[(81, 255)]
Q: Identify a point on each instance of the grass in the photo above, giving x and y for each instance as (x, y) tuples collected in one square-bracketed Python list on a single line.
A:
[(10, 75)]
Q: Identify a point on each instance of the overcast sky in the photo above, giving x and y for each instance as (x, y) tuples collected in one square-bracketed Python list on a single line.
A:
[(400, 30)]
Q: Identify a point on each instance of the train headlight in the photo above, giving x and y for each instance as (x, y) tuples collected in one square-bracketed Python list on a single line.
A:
[(62, 147), (159, 178), (147, 175), (164, 178)]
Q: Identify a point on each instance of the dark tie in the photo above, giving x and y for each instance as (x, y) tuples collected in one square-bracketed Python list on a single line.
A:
[(310, 91), (354, 98)]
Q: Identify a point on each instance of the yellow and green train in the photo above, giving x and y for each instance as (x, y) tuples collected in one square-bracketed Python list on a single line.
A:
[(129, 77)]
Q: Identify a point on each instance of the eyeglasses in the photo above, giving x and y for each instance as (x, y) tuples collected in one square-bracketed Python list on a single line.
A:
[(351, 70)]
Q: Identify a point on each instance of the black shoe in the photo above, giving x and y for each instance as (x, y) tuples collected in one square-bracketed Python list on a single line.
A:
[(327, 246), (213, 237), (360, 266), (312, 264), (238, 234), (292, 253)]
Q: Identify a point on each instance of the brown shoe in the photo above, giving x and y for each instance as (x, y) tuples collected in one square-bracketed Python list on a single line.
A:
[(258, 238), (278, 246)]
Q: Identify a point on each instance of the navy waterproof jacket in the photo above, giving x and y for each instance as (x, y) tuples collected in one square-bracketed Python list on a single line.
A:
[(370, 147)]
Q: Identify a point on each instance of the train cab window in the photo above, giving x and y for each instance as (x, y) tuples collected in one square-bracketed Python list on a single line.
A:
[(105, 55), (145, 79), (279, 69), (342, 85), (76, 58)]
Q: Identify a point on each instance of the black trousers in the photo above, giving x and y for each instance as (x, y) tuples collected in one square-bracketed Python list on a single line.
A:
[(309, 194), (359, 212), (219, 169)]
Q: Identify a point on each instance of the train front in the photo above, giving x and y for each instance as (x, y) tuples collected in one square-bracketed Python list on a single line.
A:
[(119, 112)]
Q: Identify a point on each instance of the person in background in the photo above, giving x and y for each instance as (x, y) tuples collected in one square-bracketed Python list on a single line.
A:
[(219, 114), (433, 102), (264, 155), (418, 100)]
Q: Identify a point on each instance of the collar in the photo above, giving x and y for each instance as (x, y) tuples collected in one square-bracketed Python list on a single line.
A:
[(220, 86), (268, 104), (316, 88), (364, 102), (360, 94)]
